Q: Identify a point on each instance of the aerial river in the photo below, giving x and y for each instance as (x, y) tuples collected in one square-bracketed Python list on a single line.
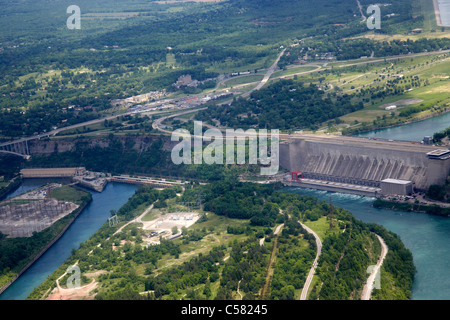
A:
[(88, 222), (415, 131), (426, 236)]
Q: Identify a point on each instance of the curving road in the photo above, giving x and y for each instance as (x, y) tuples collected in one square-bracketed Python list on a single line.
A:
[(305, 289), (368, 287)]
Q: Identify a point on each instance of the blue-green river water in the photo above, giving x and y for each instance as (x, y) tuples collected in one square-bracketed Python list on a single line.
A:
[(428, 237), (88, 222), (413, 131)]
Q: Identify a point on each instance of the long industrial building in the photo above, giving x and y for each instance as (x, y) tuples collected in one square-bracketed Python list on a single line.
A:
[(51, 172), (341, 160)]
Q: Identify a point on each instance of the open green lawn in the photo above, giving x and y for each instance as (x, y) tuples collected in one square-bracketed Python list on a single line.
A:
[(322, 227), (294, 70), (434, 70), (67, 193), (243, 80)]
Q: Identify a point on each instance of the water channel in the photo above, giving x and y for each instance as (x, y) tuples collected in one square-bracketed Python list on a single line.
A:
[(426, 236)]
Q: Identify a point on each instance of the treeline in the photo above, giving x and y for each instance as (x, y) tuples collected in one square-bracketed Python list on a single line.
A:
[(357, 48), (294, 260), (245, 269), (433, 209), (241, 201), (439, 192), (259, 203), (16, 253), (398, 264), (10, 166), (284, 105), (17, 123), (343, 263), (438, 136)]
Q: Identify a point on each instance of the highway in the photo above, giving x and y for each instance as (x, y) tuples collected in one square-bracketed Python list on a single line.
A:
[(267, 76)]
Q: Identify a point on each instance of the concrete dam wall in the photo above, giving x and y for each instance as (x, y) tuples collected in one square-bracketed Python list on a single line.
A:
[(362, 161)]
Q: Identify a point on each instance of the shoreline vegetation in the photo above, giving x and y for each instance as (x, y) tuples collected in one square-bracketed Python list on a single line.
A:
[(433, 209), (14, 183), (39, 243), (353, 132), (121, 266)]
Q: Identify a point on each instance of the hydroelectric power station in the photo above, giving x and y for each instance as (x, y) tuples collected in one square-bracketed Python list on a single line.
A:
[(362, 166)]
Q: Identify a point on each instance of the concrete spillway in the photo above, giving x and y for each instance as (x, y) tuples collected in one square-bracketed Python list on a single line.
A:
[(362, 161)]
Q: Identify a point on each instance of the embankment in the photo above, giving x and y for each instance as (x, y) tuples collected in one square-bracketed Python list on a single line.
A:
[(62, 222)]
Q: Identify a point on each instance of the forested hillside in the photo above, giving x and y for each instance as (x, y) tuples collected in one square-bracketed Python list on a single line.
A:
[(63, 76), (235, 253), (286, 104)]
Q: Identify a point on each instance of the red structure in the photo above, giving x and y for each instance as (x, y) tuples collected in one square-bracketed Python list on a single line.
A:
[(295, 175)]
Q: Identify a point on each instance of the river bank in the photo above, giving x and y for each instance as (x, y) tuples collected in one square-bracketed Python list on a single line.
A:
[(412, 207), (13, 185), (65, 223), (94, 214), (374, 129)]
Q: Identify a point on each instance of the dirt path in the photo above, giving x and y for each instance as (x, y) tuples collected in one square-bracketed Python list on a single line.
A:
[(271, 267), (137, 219), (79, 293), (305, 289), (368, 287)]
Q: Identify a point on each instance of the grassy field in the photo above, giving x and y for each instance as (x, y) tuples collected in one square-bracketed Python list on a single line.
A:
[(170, 60), (433, 70), (322, 227), (294, 70), (242, 80), (67, 193)]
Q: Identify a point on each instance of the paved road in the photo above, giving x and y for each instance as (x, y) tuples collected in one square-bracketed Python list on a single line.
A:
[(368, 287), (304, 293), (267, 76)]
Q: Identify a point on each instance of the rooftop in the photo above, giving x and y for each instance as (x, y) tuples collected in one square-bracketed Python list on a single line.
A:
[(438, 152), (396, 181)]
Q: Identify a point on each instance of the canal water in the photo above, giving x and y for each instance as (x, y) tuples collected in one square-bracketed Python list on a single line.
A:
[(413, 131), (88, 222), (426, 236)]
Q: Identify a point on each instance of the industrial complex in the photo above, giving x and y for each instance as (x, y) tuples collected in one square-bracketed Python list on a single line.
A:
[(362, 166)]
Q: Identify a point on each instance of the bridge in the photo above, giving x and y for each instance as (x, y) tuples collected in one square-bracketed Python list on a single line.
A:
[(18, 148)]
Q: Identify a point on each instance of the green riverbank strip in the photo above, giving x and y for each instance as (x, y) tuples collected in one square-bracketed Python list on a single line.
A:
[(412, 207), (18, 254)]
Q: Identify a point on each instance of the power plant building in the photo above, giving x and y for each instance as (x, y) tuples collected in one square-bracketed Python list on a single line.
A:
[(348, 164), (396, 187)]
